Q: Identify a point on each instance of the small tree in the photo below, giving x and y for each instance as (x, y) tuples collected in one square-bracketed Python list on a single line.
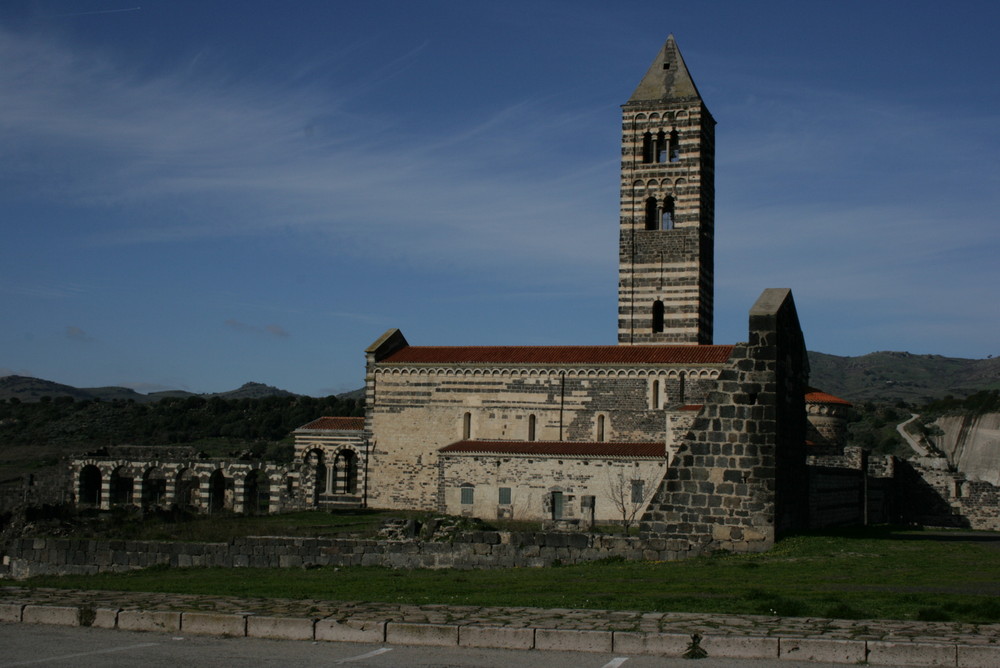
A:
[(630, 490)]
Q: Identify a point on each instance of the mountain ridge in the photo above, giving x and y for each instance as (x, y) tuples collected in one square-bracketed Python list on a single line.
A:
[(879, 376)]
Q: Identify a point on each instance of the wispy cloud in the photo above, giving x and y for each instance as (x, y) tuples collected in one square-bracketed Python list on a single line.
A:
[(276, 331), (74, 333), (192, 157)]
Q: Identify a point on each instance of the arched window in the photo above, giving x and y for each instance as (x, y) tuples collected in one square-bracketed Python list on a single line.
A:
[(680, 388), (654, 395), (121, 487), (667, 214), (657, 317), (467, 426), (600, 429), (468, 494), (90, 485), (345, 467), (216, 491), (531, 427), (675, 147), (661, 147), (651, 213), (647, 148)]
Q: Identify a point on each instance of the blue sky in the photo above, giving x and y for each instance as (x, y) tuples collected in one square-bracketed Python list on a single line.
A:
[(197, 194)]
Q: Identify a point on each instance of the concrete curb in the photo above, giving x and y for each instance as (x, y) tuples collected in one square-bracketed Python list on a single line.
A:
[(280, 628), (831, 650), (214, 624)]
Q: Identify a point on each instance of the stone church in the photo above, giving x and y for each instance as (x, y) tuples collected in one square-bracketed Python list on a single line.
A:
[(700, 443)]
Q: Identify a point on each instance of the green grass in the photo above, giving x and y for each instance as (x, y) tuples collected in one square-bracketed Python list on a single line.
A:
[(869, 574)]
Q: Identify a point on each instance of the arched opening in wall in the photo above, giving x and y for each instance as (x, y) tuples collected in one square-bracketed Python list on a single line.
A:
[(657, 317), (121, 487), (186, 487), (467, 426), (650, 214), (681, 382), (345, 472), (216, 491), (674, 148), (661, 147), (600, 429), (90, 485), (654, 394), (316, 466), (154, 487), (647, 148), (256, 493), (531, 427), (667, 214)]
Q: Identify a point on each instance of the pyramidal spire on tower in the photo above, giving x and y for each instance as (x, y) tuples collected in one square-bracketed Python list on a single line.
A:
[(667, 218), (667, 78)]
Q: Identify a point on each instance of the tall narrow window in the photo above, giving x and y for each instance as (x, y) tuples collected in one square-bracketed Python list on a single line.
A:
[(531, 427), (680, 388), (667, 214), (651, 213), (467, 426), (657, 317), (661, 147), (647, 148), (600, 429), (675, 147), (638, 491), (557, 505), (468, 494), (655, 395)]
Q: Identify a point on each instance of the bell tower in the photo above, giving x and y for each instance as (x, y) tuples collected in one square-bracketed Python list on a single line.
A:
[(667, 234)]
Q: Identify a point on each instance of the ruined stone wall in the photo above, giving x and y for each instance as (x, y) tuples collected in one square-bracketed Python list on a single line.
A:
[(851, 489), (414, 411), (738, 477), (592, 490), (46, 487), (980, 504), (28, 557)]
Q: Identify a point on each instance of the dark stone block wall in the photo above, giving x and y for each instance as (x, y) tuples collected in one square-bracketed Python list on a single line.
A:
[(738, 478)]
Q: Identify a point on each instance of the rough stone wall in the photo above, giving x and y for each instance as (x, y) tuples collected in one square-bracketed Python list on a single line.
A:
[(738, 477), (851, 489), (48, 487), (415, 411), (29, 557), (980, 504), (932, 493), (532, 480)]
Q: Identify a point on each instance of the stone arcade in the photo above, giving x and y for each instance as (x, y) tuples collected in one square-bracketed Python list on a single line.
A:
[(701, 443)]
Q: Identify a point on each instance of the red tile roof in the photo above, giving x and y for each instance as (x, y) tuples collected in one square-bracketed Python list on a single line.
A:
[(814, 396), (335, 424), (566, 448), (560, 355)]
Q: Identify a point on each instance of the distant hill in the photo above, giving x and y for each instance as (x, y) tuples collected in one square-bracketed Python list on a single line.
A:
[(895, 376), (253, 391), (880, 376), (30, 390)]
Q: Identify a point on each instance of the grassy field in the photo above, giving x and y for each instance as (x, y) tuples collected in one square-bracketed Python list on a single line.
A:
[(877, 573)]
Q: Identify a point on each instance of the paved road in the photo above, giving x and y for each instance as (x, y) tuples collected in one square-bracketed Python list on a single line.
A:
[(901, 428), (77, 647)]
